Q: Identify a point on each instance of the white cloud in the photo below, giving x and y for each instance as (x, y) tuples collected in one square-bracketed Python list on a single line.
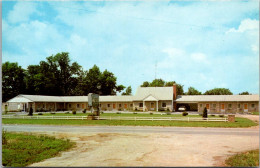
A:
[(22, 12), (246, 25)]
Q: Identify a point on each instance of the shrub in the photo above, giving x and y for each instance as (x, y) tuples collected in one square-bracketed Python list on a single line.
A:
[(53, 113), (221, 115), (135, 108), (151, 113), (4, 139), (134, 112), (184, 113), (212, 115), (161, 109), (168, 109), (40, 114), (102, 112), (66, 112), (205, 113), (168, 113), (118, 112), (74, 112), (84, 111)]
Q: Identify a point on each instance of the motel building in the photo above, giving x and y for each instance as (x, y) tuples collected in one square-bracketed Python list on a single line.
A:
[(145, 99)]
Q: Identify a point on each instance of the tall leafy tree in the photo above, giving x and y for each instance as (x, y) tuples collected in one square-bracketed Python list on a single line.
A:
[(245, 93), (157, 83), (145, 84), (218, 91), (13, 82), (128, 91), (192, 91)]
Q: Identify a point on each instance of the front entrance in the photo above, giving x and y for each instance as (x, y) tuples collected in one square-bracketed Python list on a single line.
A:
[(245, 108), (114, 106), (222, 107), (152, 106)]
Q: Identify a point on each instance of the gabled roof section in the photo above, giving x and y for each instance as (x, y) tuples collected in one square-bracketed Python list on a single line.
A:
[(19, 99), (214, 98), (160, 93), (150, 98)]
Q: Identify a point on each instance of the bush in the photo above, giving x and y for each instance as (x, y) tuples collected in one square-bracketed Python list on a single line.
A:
[(151, 113), (4, 139), (205, 113), (66, 112), (221, 115), (74, 112), (168, 113), (161, 109), (212, 115), (84, 111), (136, 109), (168, 109), (134, 112), (40, 114), (102, 112), (118, 112), (53, 113), (184, 113)]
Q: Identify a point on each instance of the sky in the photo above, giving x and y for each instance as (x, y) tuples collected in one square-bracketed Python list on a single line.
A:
[(202, 44)]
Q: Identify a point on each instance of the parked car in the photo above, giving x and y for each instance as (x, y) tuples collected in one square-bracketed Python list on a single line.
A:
[(182, 108)]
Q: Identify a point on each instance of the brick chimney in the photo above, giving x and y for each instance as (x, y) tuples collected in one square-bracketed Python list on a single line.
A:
[(174, 97)]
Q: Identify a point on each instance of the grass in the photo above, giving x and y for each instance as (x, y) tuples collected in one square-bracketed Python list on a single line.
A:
[(255, 113), (24, 149), (245, 159), (240, 122)]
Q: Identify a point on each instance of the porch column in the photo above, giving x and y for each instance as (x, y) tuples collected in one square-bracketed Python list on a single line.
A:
[(143, 105), (157, 104), (237, 107), (55, 106), (63, 106), (34, 109)]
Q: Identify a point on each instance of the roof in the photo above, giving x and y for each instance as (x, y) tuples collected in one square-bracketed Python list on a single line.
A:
[(214, 98), (160, 93), (41, 98)]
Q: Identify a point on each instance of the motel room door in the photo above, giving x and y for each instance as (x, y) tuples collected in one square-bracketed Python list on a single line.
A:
[(245, 107), (114, 106), (222, 107)]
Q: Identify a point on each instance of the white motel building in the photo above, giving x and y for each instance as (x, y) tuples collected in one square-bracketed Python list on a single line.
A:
[(145, 99)]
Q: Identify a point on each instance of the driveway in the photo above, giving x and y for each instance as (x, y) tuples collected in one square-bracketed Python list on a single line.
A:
[(145, 146)]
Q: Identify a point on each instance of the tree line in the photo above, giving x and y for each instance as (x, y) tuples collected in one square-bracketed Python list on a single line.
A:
[(191, 90), (57, 76)]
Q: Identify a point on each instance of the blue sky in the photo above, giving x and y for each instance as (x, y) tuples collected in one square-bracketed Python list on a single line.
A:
[(203, 44)]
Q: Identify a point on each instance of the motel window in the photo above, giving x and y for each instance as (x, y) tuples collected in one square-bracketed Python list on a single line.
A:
[(238, 106), (131, 105), (163, 104), (120, 105), (200, 105), (69, 105), (214, 105), (108, 105), (252, 105), (140, 104), (77, 105), (229, 105)]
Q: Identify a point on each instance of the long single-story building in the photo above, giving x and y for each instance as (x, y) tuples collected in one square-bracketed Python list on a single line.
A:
[(145, 99)]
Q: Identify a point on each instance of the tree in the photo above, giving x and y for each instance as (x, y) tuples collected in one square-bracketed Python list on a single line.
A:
[(192, 91), (205, 113), (145, 84), (218, 91), (157, 83), (128, 91), (13, 82), (245, 93)]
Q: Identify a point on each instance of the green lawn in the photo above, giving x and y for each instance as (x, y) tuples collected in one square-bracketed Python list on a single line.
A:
[(240, 122), (255, 113), (24, 149), (246, 159), (123, 115)]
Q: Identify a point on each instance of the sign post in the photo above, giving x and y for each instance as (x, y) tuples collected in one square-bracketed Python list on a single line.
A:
[(93, 103)]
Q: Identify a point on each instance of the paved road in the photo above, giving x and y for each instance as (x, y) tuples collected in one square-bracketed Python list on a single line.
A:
[(132, 129)]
